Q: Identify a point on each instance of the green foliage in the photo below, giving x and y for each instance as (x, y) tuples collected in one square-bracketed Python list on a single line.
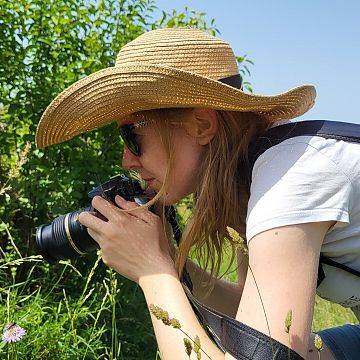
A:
[(45, 47), (328, 314), (64, 322)]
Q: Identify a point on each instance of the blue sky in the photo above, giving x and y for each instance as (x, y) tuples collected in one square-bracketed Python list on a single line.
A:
[(294, 43)]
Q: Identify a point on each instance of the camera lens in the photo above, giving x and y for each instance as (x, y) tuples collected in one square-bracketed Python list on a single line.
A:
[(64, 238), (67, 238)]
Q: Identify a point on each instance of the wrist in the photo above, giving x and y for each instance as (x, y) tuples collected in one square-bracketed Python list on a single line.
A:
[(152, 281)]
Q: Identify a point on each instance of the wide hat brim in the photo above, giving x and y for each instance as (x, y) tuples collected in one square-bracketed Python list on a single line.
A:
[(110, 94)]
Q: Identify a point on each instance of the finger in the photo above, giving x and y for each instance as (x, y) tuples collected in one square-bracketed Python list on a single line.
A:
[(91, 221), (95, 235), (141, 213), (99, 215), (107, 208)]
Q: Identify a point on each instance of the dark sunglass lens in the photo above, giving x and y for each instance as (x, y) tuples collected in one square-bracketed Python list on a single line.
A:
[(134, 148), (129, 139)]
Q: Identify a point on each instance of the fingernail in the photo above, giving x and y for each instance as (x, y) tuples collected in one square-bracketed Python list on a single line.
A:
[(118, 197)]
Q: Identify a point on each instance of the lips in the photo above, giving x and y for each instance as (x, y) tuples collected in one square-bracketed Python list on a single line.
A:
[(149, 182), (148, 190)]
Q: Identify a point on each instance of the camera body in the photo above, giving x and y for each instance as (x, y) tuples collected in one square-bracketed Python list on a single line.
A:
[(67, 238)]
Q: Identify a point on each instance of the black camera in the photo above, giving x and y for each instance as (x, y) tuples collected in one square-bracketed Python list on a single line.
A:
[(67, 238)]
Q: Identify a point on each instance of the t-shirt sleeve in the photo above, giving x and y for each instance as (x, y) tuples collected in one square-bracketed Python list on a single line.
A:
[(294, 183)]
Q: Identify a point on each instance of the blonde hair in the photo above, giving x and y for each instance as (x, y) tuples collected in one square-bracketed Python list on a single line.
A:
[(221, 196)]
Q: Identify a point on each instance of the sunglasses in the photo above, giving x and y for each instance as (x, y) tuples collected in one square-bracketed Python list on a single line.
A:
[(129, 137)]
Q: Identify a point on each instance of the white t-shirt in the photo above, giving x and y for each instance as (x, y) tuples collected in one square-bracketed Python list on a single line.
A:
[(307, 179)]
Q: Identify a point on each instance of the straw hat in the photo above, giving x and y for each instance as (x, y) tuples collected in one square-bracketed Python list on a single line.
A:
[(162, 68)]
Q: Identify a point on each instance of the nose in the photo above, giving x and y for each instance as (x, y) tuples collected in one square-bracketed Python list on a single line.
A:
[(129, 160)]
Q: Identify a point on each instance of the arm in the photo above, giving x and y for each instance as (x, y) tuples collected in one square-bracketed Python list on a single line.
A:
[(225, 296), (284, 262), (165, 290), (288, 282)]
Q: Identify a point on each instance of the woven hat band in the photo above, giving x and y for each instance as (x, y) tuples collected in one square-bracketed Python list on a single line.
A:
[(235, 81)]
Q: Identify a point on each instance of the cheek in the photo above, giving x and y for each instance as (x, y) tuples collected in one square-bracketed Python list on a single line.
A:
[(187, 161), (154, 158)]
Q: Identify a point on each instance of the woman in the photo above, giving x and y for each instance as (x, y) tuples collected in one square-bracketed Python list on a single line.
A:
[(182, 92)]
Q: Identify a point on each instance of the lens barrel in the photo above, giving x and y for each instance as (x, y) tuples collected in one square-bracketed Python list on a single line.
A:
[(64, 238), (67, 238)]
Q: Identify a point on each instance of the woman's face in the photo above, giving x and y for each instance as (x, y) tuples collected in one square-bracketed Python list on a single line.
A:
[(152, 163)]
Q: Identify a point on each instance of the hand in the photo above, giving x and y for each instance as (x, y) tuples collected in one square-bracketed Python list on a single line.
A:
[(133, 244)]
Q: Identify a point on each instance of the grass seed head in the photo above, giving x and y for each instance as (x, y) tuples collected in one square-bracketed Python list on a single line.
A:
[(239, 241), (197, 347), (160, 314), (175, 323), (288, 321), (188, 346), (318, 342)]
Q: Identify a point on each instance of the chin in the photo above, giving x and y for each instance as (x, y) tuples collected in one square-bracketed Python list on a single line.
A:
[(169, 199), (173, 199)]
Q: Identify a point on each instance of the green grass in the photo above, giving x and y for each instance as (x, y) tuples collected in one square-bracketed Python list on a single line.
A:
[(82, 310), (89, 314)]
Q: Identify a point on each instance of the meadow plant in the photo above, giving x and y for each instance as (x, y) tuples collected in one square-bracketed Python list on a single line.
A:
[(70, 310), (13, 333), (318, 344), (163, 315), (188, 347)]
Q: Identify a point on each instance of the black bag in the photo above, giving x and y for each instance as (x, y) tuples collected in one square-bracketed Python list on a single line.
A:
[(221, 328)]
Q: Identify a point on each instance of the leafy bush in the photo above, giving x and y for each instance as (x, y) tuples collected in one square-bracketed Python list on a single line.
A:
[(45, 47)]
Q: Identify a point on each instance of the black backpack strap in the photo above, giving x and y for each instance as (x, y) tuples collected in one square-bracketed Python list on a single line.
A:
[(327, 129), (325, 260), (328, 261), (210, 319), (245, 342)]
